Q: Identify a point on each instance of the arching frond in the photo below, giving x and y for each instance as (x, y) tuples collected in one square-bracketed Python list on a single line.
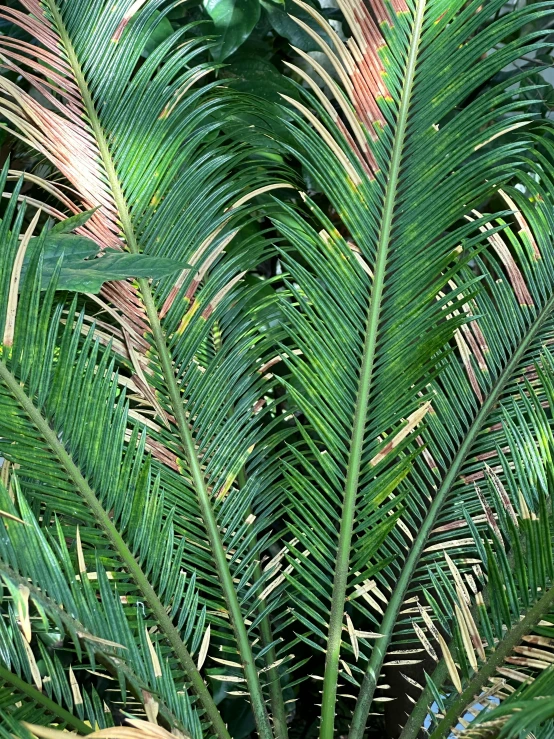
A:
[(388, 369), (55, 606), (211, 473), (54, 390), (140, 140), (527, 709), (497, 613)]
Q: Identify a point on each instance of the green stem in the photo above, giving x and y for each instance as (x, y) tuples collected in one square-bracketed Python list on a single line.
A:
[(43, 700), (278, 711), (496, 659), (132, 566), (218, 551), (342, 564), (187, 441), (391, 614)]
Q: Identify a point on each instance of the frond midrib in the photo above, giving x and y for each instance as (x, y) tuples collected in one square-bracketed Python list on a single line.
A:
[(364, 388), (76, 628), (98, 130), (496, 659), (40, 699)]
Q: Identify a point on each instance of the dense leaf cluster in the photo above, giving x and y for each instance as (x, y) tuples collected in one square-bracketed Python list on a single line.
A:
[(276, 382)]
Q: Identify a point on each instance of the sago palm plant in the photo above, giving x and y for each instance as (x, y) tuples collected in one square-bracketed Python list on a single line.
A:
[(222, 488)]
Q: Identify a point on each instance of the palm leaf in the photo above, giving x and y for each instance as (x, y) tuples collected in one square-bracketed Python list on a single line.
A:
[(366, 329), (404, 329), (478, 435), (51, 385), (126, 123), (498, 613), (528, 709), (42, 574)]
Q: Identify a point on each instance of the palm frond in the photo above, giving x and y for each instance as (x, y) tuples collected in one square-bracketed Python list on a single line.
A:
[(497, 613), (83, 610), (168, 435), (371, 290), (461, 436), (61, 405), (143, 143), (527, 710)]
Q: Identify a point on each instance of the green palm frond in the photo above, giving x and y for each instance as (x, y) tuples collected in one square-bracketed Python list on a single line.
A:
[(144, 143), (61, 405), (498, 612), (83, 610), (10, 727), (465, 434), (369, 353), (218, 471)]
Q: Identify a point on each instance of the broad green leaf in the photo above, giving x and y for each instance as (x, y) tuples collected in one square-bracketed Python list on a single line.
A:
[(234, 21), (163, 30), (89, 276), (279, 16), (75, 250), (81, 272), (70, 224), (256, 76)]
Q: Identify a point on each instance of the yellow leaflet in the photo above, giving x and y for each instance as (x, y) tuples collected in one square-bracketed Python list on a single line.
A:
[(188, 316)]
